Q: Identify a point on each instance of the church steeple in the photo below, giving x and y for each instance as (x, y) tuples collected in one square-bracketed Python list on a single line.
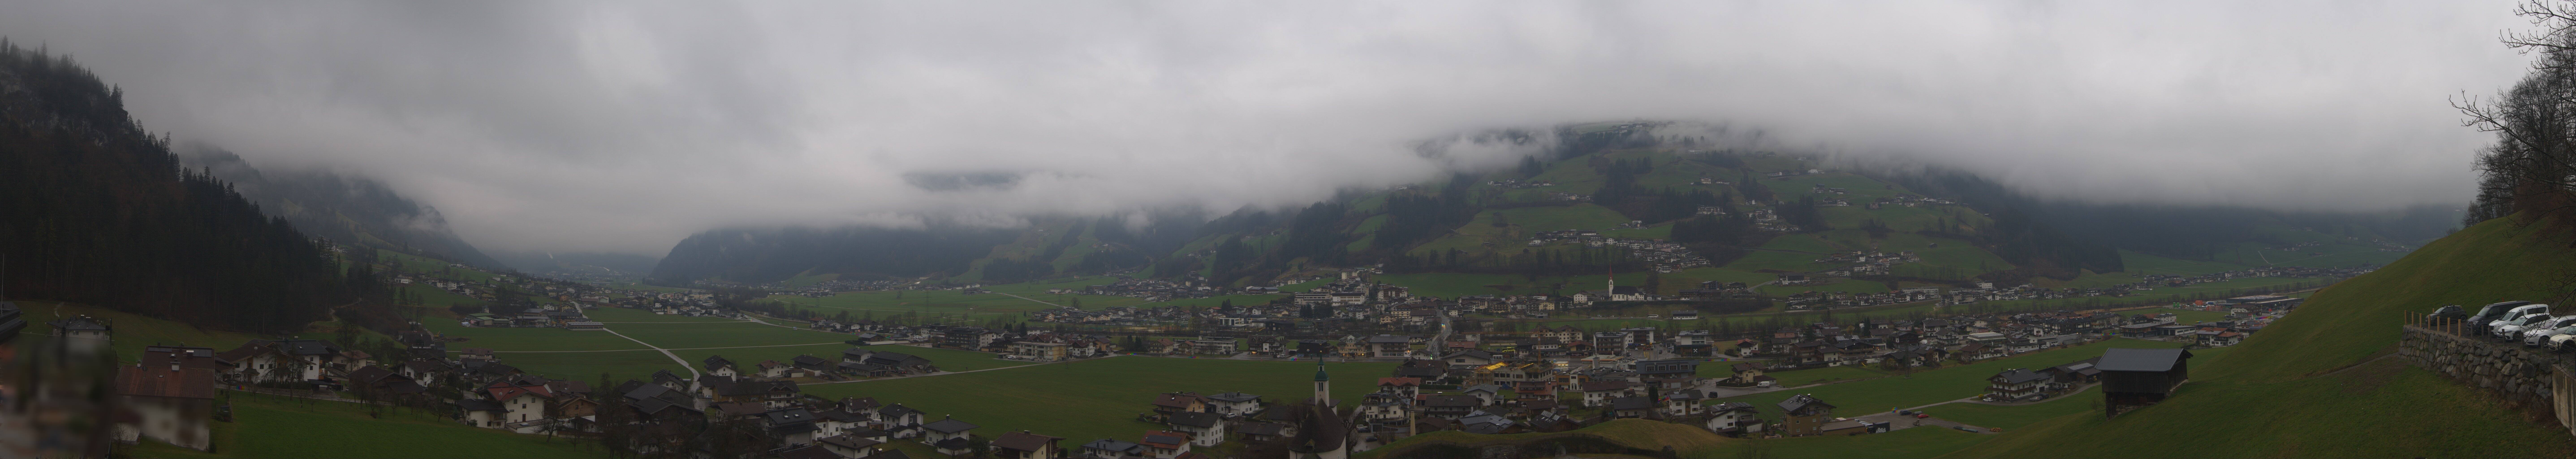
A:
[(1323, 385)]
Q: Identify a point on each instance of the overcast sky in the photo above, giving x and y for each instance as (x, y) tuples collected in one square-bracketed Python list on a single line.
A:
[(625, 126)]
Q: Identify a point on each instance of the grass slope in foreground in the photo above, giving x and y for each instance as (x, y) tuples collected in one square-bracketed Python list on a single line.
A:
[(280, 427), (1091, 399), (2281, 395)]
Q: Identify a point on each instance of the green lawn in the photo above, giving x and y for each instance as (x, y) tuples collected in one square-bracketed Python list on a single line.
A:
[(1934, 386), (1092, 399), (532, 339), (133, 332), (284, 428), (587, 366), (2288, 375), (1795, 378), (721, 334), (2014, 417), (1916, 442)]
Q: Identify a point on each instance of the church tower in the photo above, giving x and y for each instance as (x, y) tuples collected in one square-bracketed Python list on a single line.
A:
[(1323, 385)]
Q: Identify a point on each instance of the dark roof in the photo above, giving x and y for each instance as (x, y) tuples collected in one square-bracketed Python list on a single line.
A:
[(1113, 445), (1023, 441), (160, 381), (1196, 419), (1631, 403), (1802, 401), (2018, 376), (950, 425), (2125, 359), (810, 452), (1234, 397), (716, 361), (1454, 400)]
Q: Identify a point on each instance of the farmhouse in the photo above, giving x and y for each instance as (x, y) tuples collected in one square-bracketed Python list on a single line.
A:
[(1805, 415), (2015, 385), (2139, 377)]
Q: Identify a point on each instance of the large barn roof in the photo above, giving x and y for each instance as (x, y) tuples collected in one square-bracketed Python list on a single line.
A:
[(2123, 359)]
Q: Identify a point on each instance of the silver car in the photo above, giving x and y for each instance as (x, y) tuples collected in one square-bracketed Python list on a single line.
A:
[(2513, 328), (2555, 338), (2538, 334)]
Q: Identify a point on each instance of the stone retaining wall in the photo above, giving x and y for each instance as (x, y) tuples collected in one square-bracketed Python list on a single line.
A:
[(2508, 370)]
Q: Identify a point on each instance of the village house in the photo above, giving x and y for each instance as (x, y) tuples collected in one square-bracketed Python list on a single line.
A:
[(1804, 415), (1025, 445), (162, 399), (1205, 429), (948, 435), (1733, 418), (2015, 385)]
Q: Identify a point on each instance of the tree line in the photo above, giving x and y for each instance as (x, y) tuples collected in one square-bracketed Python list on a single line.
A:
[(99, 211)]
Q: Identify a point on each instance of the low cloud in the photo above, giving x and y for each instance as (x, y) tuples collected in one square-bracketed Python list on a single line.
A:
[(625, 126)]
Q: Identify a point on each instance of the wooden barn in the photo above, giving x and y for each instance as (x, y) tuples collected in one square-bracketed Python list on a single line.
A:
[(2140, 377)]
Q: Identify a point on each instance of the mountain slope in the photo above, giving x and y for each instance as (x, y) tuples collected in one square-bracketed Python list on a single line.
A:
[(351, 210), (2294, 389), (94, 209)]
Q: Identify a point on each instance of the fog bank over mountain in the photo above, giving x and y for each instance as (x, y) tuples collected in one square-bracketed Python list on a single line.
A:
[(627, 126)]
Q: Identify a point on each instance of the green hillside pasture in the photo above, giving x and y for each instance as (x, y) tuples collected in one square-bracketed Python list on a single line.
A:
[(2289, 372), (1657, 232), (1369, 225), (1796, 262), (2142, 263), (288, 428), (1918, 442), (934, 301), (133, 332), (1557, 218), (1935, 386), (2340, 415), (1838, 285), (722, 334), (1092, 399), (2355, 319), (1861, 188), (436, 298), (2014, 417), (1818, 244), (432, 266)]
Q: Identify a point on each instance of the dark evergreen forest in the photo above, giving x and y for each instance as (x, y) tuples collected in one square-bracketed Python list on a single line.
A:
[(95, 209)]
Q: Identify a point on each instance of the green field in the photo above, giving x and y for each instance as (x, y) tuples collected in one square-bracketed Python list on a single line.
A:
[(722, 334), (2288, 374), (1795, 378), (2014, 417), (132, 332), (1934, 386), (1092, 399), (1915, 442), (269, 426)]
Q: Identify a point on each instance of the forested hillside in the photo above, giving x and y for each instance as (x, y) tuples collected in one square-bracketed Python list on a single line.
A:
[(98, 210), (1743, 214), (356, 211)]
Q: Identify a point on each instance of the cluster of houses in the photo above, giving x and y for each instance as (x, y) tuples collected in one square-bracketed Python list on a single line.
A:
[(1664, 256)]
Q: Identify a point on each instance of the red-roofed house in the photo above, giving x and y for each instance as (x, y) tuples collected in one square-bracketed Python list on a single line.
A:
[(165, 402), (522, 397)]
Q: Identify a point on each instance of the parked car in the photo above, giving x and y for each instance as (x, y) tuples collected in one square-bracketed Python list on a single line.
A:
[(2489, 313), (2543, 337), (2447, 314), (2537, 334), (2507, 330), (2563, 343), (2517, 312)]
